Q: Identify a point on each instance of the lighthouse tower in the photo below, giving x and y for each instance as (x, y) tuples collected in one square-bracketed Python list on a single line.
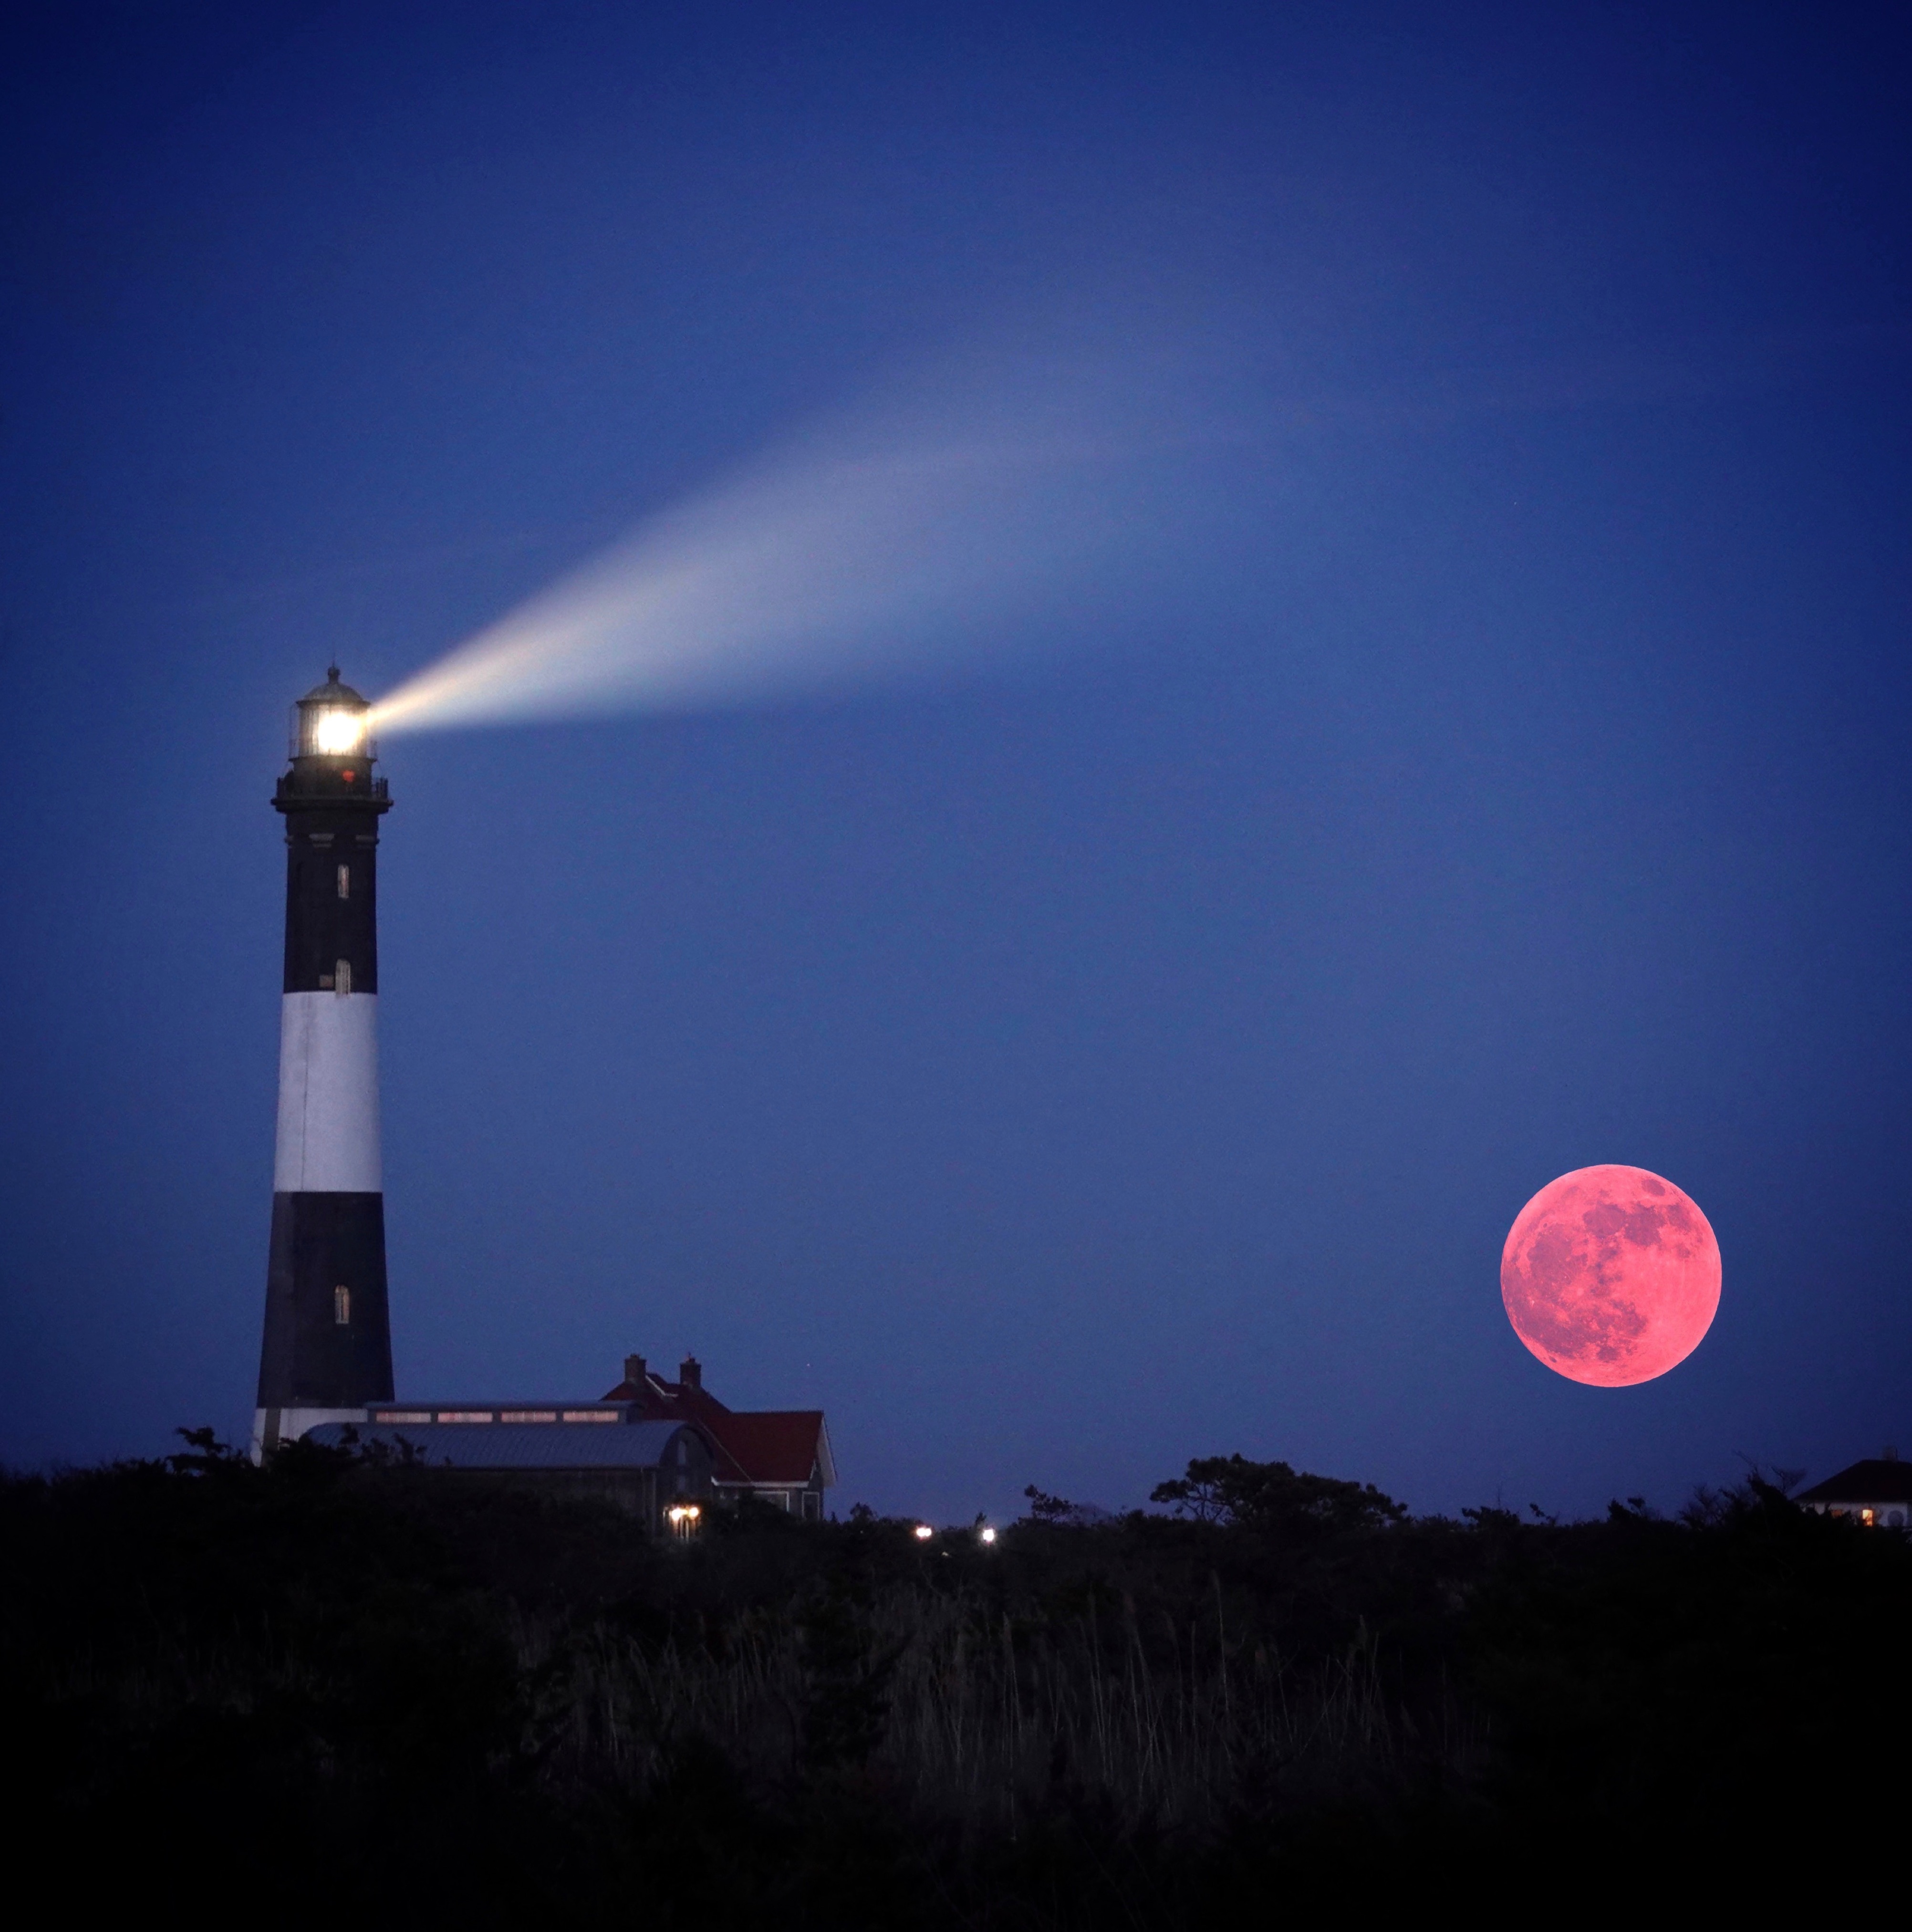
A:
[(327, 1347)]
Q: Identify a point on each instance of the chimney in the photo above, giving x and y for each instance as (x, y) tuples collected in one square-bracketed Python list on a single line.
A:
[(634, 1370), (691, 1373)]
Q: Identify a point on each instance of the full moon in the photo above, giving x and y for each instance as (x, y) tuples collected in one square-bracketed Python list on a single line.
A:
[(1611, 1275)]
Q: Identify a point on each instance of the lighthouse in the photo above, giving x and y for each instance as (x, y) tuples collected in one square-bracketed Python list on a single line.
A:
[(327, 1350)]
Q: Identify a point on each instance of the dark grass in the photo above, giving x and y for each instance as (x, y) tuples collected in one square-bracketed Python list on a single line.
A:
[(323, 1689)]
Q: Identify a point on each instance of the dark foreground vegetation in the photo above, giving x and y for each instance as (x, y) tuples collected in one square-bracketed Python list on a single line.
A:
[(326, 1688)]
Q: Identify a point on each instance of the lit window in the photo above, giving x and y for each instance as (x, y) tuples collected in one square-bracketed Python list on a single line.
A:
[(591, 1415), (403, 1415), (342, 976), (528, 1415), (464, 1415), (345, 882), (1866, 1517), (342, 1307)]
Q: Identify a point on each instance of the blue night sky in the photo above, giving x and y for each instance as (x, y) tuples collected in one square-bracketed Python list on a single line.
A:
[(1127, 1046)]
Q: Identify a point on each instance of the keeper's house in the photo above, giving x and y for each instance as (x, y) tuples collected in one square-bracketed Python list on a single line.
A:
[(780, 1456), (660, 1450), (1878, 1492)]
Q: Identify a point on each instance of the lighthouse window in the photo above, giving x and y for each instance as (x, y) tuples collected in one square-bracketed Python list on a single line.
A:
[(342, 976), (345, 882), (342, 1307)]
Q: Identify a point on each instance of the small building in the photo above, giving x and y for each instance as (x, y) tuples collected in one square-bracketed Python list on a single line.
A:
[(649, 1469), (780, 1456), (1878, 1492), (653, 1447)]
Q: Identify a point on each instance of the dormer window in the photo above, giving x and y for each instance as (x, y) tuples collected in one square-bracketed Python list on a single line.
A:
[(342, 1307)]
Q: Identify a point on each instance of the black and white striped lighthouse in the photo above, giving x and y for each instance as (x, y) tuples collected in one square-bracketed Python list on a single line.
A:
[(327, 1351)]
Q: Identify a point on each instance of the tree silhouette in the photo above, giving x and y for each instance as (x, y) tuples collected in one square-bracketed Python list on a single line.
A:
[(1230, 1489)]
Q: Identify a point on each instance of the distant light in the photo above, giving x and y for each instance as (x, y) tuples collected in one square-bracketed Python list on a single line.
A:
[(988, 1534), (338, 731), (924, 1532)]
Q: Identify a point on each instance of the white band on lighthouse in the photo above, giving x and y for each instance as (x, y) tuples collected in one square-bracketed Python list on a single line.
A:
[(329, 1095)]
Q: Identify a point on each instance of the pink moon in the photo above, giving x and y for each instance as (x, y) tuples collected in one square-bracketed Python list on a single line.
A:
[(1611, 1275)]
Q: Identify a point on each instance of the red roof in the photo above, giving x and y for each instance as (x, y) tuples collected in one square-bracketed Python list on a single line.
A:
[(775, 1445), (762, 1446)]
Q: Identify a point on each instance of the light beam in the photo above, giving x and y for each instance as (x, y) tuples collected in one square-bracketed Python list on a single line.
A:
[(985, 508)]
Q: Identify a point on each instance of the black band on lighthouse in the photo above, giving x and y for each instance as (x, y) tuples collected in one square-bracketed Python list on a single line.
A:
[(321, 1352)]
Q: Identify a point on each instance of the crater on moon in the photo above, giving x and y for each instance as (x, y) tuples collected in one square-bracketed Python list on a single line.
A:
[(1611, 1275)]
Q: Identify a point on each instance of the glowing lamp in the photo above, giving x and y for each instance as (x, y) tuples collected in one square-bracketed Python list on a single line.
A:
[(332, 721), (987, 1534), (924, 1532), (337, 731)]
